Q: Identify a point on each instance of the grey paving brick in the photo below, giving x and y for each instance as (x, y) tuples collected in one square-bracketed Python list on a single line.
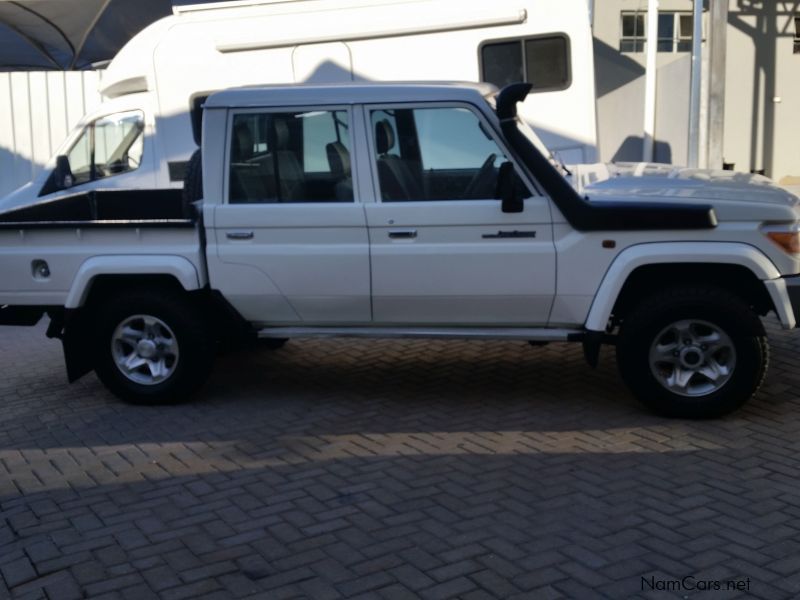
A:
[(18, 572), (389, 469)]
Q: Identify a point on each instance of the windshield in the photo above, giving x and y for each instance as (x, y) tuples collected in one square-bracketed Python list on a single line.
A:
[(108, 146)]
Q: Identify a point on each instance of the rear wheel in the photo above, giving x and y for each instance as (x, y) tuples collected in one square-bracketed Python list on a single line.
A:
[(693, 352), (151, 348)]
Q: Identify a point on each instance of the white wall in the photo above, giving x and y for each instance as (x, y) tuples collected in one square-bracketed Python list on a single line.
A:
[(37, 110)]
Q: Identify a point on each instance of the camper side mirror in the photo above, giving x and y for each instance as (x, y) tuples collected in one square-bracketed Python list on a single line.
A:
[(507, 190), (63, 173)]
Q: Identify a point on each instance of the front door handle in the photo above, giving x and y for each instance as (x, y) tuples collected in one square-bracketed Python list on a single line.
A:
[(239, 235), (403, 234)]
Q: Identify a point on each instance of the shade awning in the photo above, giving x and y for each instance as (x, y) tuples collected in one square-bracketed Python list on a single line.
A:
[(70, 34)]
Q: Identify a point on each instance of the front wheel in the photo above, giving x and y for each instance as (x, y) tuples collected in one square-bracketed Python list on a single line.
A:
[(151, 348), (693, 352)]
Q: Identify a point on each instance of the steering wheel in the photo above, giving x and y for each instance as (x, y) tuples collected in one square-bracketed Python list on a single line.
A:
[(482, 180)]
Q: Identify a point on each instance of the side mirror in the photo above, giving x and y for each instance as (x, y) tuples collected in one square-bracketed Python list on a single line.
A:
[(507, 191), (63, 173)]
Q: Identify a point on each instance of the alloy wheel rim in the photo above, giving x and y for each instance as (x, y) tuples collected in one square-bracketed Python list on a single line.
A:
[(692, 358), (145, 349)]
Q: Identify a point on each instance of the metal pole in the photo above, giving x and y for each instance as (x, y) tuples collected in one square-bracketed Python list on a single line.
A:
[(648, 139), (694, 95), (717, 48)]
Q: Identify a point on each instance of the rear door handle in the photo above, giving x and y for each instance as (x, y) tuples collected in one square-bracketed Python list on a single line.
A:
[(403, 234), (239, 235)]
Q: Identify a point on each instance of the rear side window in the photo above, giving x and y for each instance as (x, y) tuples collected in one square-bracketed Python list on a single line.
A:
[(543, 61), (290, 157)]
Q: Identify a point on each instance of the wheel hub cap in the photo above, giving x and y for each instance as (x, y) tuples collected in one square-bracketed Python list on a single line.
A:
[(145, 349), (692, 357)]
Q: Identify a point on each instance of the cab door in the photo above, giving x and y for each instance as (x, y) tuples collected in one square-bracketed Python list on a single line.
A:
[(290, 239), (442, 250)]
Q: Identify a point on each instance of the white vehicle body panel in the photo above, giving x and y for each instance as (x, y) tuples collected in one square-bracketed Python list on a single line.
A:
[(179, 267), (305, 263), (76, 255), (641, 255)]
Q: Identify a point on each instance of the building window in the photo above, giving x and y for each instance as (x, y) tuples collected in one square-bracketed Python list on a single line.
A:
[(674, 32), (633, 32), (542, 61), (797, 35)]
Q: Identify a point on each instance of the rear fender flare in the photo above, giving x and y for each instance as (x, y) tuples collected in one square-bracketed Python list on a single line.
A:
[(178, 267)]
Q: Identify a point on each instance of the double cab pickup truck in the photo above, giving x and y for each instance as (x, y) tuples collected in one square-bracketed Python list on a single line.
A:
[(404, 210)]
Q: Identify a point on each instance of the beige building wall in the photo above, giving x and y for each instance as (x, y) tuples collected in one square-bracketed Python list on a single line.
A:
[(762, 91)]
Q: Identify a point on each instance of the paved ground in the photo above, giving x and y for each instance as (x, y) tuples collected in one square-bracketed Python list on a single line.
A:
[(353, 469)]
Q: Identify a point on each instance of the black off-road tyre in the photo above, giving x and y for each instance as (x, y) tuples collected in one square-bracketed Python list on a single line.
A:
[(272, 343), (187, 326), (719, 307)]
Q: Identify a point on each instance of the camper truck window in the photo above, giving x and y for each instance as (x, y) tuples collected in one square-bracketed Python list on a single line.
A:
[(434, 154), (542, 61), (108, 146), (290, 157)]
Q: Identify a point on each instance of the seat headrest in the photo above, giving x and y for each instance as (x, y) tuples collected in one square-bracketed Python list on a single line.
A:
[(281, 134), (384, 136), (242, 143), (338, 159)]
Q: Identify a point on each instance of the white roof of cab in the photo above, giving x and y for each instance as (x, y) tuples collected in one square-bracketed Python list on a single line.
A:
[(349, 93)]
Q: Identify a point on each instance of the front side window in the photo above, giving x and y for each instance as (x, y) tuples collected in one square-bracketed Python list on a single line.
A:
[(108, 146), (290, 157), (434, 154), (542, 61)]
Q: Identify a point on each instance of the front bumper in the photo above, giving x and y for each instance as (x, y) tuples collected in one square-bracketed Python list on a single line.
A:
[(785, 294)]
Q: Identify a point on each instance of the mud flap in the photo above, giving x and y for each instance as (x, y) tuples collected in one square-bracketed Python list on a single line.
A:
[(76, 341), (592, 341)]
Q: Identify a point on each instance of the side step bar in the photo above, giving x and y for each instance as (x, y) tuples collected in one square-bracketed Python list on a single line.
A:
[(532, 334)]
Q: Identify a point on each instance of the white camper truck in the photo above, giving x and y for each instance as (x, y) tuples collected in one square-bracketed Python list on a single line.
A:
[(142, 136)]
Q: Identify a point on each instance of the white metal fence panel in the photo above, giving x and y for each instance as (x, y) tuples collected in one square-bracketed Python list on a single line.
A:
[(37, 111)]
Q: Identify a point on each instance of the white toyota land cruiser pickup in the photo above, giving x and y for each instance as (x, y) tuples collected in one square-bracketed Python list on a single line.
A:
[(399, 210)]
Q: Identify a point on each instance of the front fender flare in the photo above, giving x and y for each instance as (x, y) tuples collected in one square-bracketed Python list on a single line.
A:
[(178, 267), (678, 252)]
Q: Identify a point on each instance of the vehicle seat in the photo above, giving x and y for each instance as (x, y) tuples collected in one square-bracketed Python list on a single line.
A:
[(248, 179), (397, 180), (339, 163), (290, 171)]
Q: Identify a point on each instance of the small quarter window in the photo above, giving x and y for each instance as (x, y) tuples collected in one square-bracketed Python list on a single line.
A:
[(542, 61)]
